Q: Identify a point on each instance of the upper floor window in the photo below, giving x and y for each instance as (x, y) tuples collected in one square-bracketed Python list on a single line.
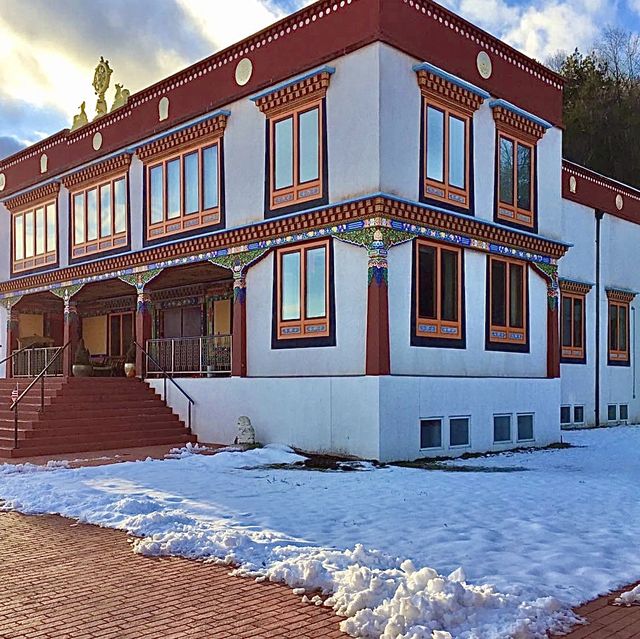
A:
[(296, 157), (618, 328), (303, 288), (515, 180), (508, 303), (448, 105), (184, 179), (517, 137), (184, 191), (447, 154), (438, 292), (99, 215), (296, 142), (35, 239)]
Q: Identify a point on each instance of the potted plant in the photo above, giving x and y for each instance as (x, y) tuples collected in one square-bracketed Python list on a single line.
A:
[(130, 361), (82, 361)]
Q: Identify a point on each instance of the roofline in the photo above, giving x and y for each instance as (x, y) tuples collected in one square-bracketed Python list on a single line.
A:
[(138, 97), (581, 167)]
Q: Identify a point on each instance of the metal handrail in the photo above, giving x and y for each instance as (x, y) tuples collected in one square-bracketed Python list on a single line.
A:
[(40, 377), (20, 350), (167, 376)]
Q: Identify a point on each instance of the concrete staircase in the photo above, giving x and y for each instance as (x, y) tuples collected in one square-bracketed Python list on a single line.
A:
[(85, 415)]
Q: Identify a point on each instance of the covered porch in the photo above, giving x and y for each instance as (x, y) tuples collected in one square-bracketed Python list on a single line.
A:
[(180, 317)]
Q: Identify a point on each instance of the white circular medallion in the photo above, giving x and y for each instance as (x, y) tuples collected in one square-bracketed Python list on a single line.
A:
[(97, 141), (244, 71), (573, 184), (619, 202), (3, 181), (484, 64)]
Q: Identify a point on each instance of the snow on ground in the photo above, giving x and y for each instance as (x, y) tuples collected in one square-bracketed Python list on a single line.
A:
[(556, 531)]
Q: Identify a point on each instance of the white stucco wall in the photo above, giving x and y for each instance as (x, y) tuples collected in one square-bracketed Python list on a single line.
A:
[(619, 240), (3, 339), (399, 124), (63, 226), (5, 239), (369, 417), (317, 414), (346, 358), (404, 401), (136, 210), (352, 107), (474, 360)]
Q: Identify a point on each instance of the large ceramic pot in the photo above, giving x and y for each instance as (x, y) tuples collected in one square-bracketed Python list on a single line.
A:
[(82, 370), (130, 370)]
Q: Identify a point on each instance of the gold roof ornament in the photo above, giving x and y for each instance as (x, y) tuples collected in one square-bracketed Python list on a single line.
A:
[(81, 119), (121, 97), (101, 80)]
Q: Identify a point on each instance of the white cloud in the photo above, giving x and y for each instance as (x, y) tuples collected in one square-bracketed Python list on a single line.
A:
[(540, 29)]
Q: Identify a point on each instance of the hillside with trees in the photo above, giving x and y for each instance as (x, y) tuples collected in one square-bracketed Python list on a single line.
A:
[(602, 105)]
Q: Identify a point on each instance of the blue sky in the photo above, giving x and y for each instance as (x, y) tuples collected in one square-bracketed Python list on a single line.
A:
[(49, 48)]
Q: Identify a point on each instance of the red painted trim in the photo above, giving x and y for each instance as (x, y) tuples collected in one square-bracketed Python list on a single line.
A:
[(377, 352), (432, 35), (239, 342), (553, 342), (599, 192), (72, 330), (283, 51), (143, 330)]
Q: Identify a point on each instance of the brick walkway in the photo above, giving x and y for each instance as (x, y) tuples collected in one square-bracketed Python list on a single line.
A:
[(60, 580), (607, 621)]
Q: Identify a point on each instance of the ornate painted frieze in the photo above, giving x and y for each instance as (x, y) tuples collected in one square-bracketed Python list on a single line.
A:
[(237, 248), (550, 273)]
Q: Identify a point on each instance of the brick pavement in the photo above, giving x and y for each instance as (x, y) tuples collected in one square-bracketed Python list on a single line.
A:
[(607, 621), (60, 580)]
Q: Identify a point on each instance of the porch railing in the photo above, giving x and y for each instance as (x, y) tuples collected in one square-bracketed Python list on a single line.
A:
[(182, 356), (31, 362)]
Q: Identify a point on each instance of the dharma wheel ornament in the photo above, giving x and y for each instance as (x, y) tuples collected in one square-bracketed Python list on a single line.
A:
[(101, 80)]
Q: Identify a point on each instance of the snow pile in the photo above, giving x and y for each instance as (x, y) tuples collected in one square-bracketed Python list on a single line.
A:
[(186, 451), (27, 468), (388, 598), (629, 598)]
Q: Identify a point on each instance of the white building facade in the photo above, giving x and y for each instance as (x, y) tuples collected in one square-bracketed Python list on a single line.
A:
[(334, 227)]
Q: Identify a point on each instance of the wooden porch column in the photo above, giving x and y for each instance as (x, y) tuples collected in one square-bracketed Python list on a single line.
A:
[(239, 339), (13, 333), (553, 333), (143, 331), (71, 335), (378, 358)]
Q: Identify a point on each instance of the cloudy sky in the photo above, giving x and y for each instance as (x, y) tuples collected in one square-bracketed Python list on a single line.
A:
[(49, 48)]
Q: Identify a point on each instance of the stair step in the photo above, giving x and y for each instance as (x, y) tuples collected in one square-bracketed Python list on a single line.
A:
[(96, 446), (86, 414)]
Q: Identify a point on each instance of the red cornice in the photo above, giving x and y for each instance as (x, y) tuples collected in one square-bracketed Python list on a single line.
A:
[(100, 171), (42, 194), (213, 127), (313, 36), (596, 191), (271, 229)]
